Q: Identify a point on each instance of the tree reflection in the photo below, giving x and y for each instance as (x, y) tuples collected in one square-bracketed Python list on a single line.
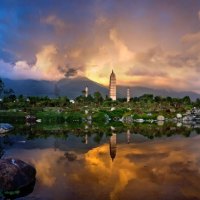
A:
[(97, 131)]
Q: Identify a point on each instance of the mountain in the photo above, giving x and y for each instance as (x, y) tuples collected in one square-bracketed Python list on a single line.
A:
[(31, 87), (73, 87), (139, 91)]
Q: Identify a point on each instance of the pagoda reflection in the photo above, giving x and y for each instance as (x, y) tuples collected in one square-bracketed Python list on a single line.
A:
[(128, 136), (113, 146)]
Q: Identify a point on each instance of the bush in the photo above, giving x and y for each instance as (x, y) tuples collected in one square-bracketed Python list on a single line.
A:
[(99, 117), (50, 116), (74, 117)]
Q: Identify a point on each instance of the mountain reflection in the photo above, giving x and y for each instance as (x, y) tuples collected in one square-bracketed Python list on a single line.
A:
[(157, 169)]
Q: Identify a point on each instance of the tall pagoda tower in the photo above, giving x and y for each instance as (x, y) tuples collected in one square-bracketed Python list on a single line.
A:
[(128, 94), (86, 91), (112, 86)]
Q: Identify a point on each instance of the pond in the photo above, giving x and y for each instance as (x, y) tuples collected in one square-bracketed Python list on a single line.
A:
[(122, 163)]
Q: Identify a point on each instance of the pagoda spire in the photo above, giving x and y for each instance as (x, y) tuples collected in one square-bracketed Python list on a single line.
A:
[(112, 86)]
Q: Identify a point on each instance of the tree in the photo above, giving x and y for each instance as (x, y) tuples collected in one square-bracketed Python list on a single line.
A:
[(158, 99), (1, 87), (186, 100), (98, 97), (169, 99), (146, 98), (63, 101), (90, 98), (21, 98), (197, 103), (80, 99), (10, 94)]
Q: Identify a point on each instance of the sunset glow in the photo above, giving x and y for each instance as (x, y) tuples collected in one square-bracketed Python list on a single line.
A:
[(148, 43)]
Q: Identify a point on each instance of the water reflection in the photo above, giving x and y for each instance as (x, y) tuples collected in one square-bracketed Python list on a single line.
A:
[(113, 146), (166, 168), (128, 134)]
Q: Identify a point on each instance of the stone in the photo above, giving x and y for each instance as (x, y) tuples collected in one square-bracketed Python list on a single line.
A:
[(15, 175), (127, 119), (160, 123), (30, 118), (178, 116), (5, 127), (112, 109), (188, 112), (72, 101), (39, 120), (160, 118), (140, 120), (179, 124), (188, 118)]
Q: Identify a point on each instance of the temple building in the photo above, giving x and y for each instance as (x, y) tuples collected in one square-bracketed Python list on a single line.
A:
[(113, 146), (86, 91), (112, 86), (128, 135), (128, 95)]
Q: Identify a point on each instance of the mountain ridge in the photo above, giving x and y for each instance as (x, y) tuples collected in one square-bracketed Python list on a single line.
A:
[(73, 87)]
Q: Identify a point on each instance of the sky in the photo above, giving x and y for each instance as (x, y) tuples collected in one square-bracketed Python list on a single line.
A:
[(151, 43)]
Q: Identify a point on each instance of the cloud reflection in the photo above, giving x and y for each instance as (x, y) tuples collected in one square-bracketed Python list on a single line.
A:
[(162, 169)]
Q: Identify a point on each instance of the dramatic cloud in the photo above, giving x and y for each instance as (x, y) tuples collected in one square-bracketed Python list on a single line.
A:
[(161, 166), (54, 21), (199, 15), (71, 72), (154, 43)]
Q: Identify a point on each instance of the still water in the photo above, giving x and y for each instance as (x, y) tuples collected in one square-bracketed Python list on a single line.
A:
[(120, 165)]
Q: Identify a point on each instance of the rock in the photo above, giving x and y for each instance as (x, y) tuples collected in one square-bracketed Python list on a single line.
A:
[(178, 116), (179, 124), (89, 118), (140, 120), (160, 123), (30, 118), (197, 118), (86, 112), (112, 109), (160, 118), (188, 112), (15, 175), (127, 119), (72, 101), (188, 118), (172, 110), (39, 120), (4, 127), (195, 111), (175, 119)]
